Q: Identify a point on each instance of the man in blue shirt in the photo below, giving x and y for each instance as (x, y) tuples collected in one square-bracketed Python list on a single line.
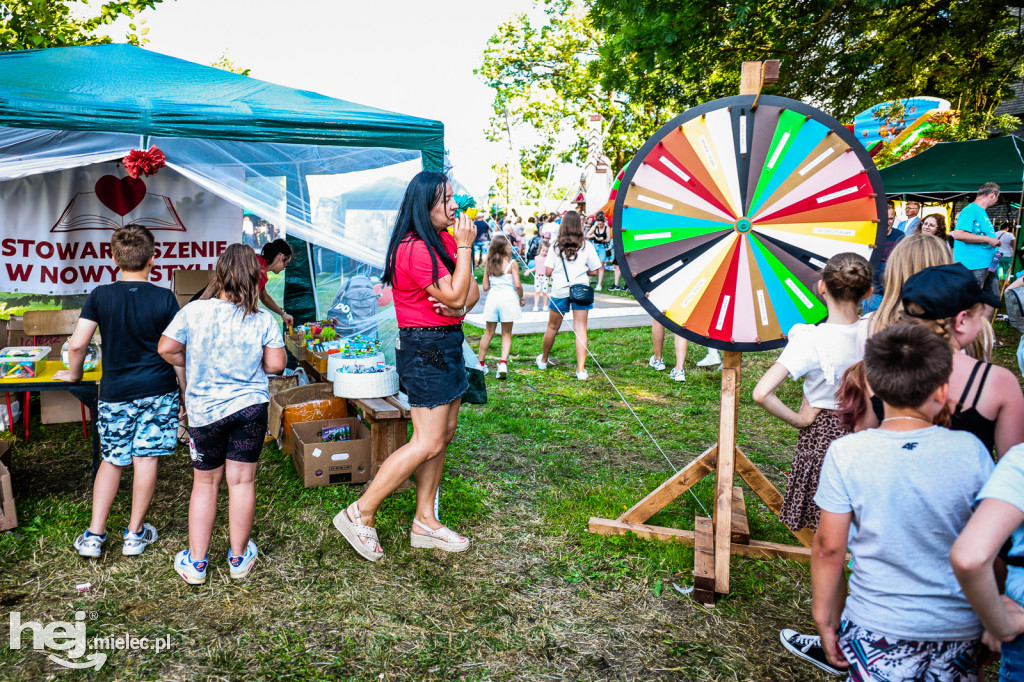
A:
[(913, 221), (892, 238), (976, 243)]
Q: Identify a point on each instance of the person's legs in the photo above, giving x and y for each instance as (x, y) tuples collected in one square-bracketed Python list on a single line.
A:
[(680, 346), (430, 427), (104, 490), (579, 326), (241, 477), (657, 338), (202, 510), (554, 322), (428, 475), (155, 434), (209, 445), (506, 340), (617, 274), (143, 486), (485, 340)]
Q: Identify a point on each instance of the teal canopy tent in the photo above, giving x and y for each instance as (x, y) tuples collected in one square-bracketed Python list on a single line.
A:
[(276, 151)]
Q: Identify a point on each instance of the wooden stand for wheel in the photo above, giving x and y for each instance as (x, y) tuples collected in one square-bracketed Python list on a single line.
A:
[(715, 540)]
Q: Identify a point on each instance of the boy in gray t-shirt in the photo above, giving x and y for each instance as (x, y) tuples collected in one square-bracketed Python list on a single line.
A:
[(907, 489)]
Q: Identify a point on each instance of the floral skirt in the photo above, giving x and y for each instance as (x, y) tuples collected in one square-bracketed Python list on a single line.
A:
[(798, 507)]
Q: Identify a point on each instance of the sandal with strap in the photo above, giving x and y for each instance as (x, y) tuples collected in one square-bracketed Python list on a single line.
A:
[(442, 538), (349, 523)]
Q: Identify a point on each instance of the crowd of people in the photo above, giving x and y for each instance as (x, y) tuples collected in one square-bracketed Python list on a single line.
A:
[(910, 446), (910, 457)]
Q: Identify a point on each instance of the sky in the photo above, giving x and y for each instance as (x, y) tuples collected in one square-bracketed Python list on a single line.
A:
[(413, 57)]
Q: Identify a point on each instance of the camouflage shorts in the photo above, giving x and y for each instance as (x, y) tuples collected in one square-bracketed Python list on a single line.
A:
[(145, 427)]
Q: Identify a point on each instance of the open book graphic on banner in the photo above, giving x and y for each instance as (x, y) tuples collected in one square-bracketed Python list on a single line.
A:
[(86, 212)]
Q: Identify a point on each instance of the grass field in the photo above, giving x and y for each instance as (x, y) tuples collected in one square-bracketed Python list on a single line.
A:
[(536, 597)]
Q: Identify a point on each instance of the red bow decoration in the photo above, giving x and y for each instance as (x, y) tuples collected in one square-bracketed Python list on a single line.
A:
[(146, 162)]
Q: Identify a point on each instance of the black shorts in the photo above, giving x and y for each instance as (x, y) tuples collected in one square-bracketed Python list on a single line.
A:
[(238, 437), (430, 365)]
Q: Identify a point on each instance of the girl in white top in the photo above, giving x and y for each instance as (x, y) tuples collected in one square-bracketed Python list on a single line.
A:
[(572, 260), (504, 300), (820, 354)]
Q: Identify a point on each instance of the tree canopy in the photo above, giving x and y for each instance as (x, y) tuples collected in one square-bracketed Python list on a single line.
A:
[(31, 24), (546, 73), (841, 55)]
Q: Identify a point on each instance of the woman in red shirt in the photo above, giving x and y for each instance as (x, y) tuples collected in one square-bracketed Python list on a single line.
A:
[(431, 275)]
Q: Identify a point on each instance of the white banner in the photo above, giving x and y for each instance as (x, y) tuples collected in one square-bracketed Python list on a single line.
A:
[(55, 228)]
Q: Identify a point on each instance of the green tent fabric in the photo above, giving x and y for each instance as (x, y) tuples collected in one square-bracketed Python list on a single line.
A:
[(126, 89), (122, 88), (950, 170)]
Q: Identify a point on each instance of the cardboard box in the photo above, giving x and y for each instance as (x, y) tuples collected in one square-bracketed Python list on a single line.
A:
[(42, 328), (60, 407), (5, 453), (319, 463), (296, 345), (314, 402), (188, 283), (48, 328), (8, 514)]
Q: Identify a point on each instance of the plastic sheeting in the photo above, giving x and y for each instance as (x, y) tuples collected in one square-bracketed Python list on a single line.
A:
[(342, 201)]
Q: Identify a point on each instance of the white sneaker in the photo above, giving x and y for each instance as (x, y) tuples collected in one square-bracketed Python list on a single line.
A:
[(483, 368), (135, 543), (540, 363), (712, 358), (677, 375), (502, 370), (657, 364), (582, 376), (535, 309), (90, 545), (597, 288)]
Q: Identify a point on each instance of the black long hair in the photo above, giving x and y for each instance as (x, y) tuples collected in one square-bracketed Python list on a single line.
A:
[(272, 250), (425, 190)]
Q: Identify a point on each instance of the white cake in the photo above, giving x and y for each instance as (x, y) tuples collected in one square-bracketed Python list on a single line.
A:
[(337, 361), (366, 384)]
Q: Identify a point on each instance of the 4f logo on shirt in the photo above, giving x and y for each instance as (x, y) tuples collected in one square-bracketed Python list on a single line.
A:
[(909, 446)]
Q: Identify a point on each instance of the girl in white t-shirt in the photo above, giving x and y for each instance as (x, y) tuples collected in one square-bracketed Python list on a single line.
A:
[(820, 354), (571, 260)]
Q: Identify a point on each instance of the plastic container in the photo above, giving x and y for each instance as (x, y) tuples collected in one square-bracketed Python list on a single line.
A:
[(92, 356), (23, 362)]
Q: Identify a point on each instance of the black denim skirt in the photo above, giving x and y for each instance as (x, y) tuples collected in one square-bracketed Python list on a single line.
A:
[(430, 365)]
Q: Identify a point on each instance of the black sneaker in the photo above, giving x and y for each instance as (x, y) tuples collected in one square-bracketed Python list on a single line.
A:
[(808, 647)]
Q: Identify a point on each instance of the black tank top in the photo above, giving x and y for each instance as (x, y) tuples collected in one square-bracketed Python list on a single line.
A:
[(969, 420)]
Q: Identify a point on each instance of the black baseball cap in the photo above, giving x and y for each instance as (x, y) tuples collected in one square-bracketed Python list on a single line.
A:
[(943, 291)]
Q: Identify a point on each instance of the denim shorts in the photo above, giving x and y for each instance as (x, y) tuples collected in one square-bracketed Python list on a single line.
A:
[(431, 366), (145, 427), (562, 305), (1011, 669)]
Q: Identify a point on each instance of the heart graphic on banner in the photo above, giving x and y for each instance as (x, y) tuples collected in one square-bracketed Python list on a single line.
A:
[(120, 195)]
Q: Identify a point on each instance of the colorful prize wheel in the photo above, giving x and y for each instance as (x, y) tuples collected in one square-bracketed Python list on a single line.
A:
[(727, 215)]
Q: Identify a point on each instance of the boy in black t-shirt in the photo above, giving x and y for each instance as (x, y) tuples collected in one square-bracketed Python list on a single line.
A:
[(137, 411)]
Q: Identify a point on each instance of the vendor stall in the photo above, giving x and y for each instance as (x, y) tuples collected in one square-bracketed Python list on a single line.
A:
[(235, 146)]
